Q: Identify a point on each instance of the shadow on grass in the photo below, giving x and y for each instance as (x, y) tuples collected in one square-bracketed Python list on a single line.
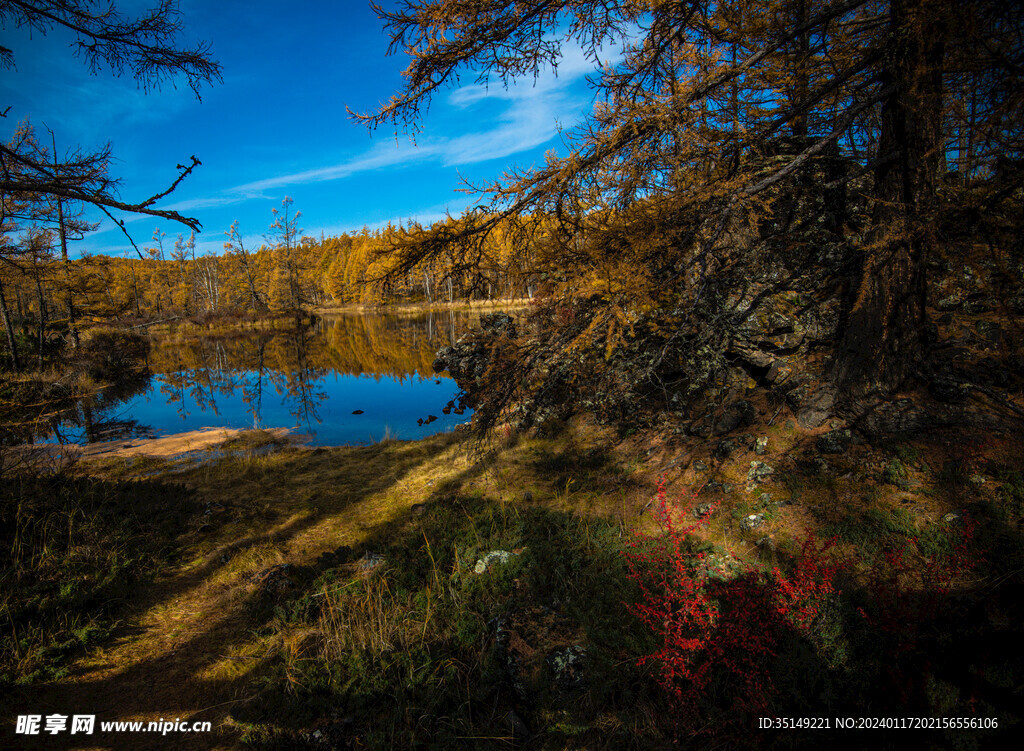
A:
[(426, 653), (540, 651), (203, 607)]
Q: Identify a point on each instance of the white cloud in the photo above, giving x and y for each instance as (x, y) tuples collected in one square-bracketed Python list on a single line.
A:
[(508, 121), (382, 154), (529, 115)]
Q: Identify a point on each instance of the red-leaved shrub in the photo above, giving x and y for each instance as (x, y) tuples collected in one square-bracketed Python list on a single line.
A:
[(718, 634)]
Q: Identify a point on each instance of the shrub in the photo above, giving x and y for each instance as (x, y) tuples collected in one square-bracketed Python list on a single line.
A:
[(719, 636), (106, 353)]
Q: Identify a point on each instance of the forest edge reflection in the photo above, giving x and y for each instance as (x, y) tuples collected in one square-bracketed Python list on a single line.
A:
[(299, 371)]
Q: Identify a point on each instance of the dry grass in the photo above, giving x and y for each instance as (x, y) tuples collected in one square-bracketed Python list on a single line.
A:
[(205, 634)]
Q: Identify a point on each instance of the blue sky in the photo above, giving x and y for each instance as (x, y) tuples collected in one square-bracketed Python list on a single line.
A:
[(277, 124)]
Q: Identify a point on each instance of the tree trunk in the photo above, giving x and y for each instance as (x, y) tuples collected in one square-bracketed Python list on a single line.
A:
[(62, 231), (15, 363), (883, 339), (135, 289), (42, 320)]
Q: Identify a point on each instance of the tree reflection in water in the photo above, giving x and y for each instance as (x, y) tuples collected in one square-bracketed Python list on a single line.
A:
[(210, 368), (264, 377), (290, 365)]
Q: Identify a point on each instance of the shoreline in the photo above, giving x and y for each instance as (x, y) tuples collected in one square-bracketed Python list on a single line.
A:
[(175, 445), (518, 303)]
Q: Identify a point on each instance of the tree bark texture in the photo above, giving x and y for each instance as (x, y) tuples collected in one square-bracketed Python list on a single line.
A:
[(883, 340)]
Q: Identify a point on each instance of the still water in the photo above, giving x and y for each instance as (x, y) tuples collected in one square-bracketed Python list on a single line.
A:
[(341, 380)]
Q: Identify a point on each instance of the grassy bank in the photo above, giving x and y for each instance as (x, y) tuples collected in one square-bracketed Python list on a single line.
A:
[(414, 594)]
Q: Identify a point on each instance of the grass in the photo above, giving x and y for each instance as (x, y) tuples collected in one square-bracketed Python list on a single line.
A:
[(423, 307), (73, 550), (420, 632), (300, 591)]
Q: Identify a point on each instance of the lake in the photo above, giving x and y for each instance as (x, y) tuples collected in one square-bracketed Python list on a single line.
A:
[(345, 379)]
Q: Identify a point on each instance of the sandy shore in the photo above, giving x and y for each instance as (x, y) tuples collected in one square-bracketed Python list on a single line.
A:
[(165, 447)]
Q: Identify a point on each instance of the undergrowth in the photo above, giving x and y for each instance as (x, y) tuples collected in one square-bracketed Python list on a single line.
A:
[(822, 635), (453, 653), (72, 552)]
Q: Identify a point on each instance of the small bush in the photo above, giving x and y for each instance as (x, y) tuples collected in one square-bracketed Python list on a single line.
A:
[(719, 636), (106, 353)]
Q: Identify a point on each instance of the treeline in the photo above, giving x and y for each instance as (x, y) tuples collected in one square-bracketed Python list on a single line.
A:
[(45, 296)]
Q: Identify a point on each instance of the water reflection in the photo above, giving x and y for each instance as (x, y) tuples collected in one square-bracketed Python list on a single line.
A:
[(205, 373), (96, 418), (342, 379)]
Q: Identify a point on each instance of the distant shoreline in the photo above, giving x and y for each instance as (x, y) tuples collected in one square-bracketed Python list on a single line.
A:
[(423, 307)]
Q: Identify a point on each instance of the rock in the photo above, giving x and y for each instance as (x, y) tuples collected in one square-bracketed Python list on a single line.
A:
[(494, 558), (952, 302), (949, 389), (520, 730), (466, 361), (713, 487), (726, 422), (952, 517), (326, 560), (761, 446), (1017, 302), (725, 448), (813, 406), (370, 562), (723, 567), (766, 544), (536, 644), (328, 736), (700, 428), (735, 415), (700, 466), (990, 331), (357, 412), (977, 480), (567, 666), (751, 521), (498, 323), (834, 441), (759, 472), (703, 510), (274, 581)]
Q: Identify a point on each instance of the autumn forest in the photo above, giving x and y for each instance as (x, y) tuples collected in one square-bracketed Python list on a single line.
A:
[(738, 367)]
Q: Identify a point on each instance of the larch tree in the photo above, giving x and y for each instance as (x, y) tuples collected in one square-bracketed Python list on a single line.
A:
[(717, 117), (285, 234), (234, 246)]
